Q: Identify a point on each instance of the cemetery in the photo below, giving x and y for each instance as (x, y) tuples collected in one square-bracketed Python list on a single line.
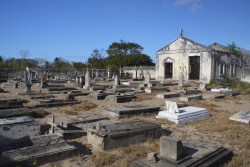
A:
[(84, 116)]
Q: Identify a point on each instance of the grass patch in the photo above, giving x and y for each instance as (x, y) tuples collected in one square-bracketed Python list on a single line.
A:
[(238, 161), (84, 106), (39, 113), (69, 112), (142, 97), (103, 159)]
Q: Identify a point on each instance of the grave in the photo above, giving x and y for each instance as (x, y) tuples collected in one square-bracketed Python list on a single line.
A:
[(10, 103), (120, 98), (122, 134), (41, 96), (192, 91), (18, 112), (37, 151), (190, 98), (78, 93), (1, 90), (87, 81), (242, 116), (52, 102), (15, 128), (168, 95), (130, 110), (51, 89), (182, 115), (174, 153), (100, 95), (156, 89)]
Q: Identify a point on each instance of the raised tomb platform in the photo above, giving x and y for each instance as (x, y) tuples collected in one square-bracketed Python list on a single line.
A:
[(242, 116), (122, 134), (174, 153), (130, 110), (36, 150), (182, 115)]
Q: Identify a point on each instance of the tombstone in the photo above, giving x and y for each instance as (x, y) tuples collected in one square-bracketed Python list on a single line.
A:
[(108, 71), (147, 78), (181, 80), (87, 81), (202, 86), (28, 80), (52, 129), (82, 80), (70, 96), (171, 148), (117, 80), (182, 115)]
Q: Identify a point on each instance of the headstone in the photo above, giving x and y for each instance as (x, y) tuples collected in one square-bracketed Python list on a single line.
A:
[(147, 78), (151, 157), (171, 148), (172, 107), (181, 80), (117, 81), (87, 81)]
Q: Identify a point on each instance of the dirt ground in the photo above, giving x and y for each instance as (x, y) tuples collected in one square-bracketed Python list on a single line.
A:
[(216, 129)]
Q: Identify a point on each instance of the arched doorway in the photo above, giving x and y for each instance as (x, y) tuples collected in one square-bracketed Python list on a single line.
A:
[(194, 67)]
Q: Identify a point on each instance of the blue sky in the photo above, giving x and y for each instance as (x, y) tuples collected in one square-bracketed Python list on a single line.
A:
[(72, 29)]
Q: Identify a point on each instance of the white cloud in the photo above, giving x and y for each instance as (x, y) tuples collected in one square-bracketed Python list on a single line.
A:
[(193, 5)]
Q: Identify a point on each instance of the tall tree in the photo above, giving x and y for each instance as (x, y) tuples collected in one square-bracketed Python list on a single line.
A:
[(61, 63), (97, 59), (127, 54)]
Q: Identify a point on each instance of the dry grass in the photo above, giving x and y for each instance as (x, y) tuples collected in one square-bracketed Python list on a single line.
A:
[(143, 97), (239, 161), (103, 159), (39, 113), (69, 112), (84, 106), (136, 151)]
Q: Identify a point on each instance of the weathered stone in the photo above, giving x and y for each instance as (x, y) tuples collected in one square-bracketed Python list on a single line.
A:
[(154, 89), (37, 151), (122, 134), (16, 128), (10, 113), (242, 116), (192, 91), (190, 98), (167, 95), (151, 157), (120, 98), (171, 148), (87, 80), (194, 154), (130, 110)]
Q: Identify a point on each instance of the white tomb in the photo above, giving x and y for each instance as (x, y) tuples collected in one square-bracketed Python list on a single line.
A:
[(182, 115)]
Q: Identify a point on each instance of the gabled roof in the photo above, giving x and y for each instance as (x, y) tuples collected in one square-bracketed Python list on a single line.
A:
[(186, 39), (218, 47)]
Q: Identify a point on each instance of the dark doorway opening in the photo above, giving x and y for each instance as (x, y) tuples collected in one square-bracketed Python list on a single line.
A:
[(194, 67), (168, 70)]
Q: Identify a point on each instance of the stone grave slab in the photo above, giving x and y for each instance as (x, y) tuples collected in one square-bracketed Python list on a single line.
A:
[(8, 85), (190, 98), (10, 103), (174, 153), (52, 86), (130, 110), (100, 95), (41, 96), (52, 102), (18, 112), (16, 128), (168, 95), (51, 89), (78, 93), (122, 134), (155, 89), (182, 115), (192, 91), (242, 116), (120, 98), (42, 149)]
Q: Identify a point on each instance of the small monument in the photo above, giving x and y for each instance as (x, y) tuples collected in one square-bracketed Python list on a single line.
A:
[(181, 80), (117, 81), (182, 115), (28, 80), (147, 78), (87, 80)]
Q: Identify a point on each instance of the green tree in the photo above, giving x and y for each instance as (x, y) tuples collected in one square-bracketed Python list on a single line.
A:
[(97, 59), (60, 63), (79, 65), (232, 47), (127, 54)]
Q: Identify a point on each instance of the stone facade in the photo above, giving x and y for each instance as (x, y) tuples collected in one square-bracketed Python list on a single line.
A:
[(196, 61)]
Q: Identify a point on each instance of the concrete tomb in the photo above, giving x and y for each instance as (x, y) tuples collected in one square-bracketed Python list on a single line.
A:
[(37, 151), (190, 98), (192, 91), (242, 116), (10, 103), (18, 112), (130, 110), (156, 89), (174, 153), (15, 128), (182, 115), (122, 134), (168, 95), (100, 95), (51, 102), (119, 98)]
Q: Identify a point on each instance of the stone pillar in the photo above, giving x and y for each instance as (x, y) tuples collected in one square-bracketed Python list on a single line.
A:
[(171, 148), (147, 78), (87, 81), (181, 80), (117, 81), (82, 80), (52, 129)]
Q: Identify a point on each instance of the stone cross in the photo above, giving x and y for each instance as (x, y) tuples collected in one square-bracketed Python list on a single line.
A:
[(172, 107)]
